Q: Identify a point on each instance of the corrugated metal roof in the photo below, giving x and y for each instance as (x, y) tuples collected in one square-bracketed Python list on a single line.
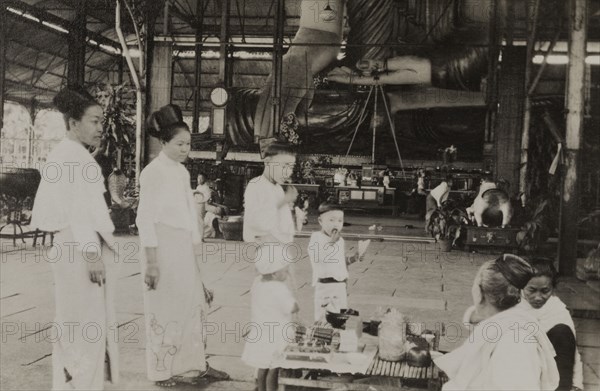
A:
[(37, 54)]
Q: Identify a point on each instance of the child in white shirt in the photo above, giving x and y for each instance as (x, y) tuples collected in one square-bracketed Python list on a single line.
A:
[(327, 254), (272, 308), (269, 226)]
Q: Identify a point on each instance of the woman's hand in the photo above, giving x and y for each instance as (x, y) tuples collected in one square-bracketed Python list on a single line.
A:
[(152, 270), (209, 294), (152, 275), (95, 268)]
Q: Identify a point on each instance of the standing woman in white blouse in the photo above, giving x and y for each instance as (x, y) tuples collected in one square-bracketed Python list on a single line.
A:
[(70, 202), (175, 301)]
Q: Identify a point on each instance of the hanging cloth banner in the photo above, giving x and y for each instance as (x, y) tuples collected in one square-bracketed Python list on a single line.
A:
[(557, 159)]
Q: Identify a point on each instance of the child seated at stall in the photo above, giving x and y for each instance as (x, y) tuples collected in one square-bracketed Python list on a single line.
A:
[(327, 254)]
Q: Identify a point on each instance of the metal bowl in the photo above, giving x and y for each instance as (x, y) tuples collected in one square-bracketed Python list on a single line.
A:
[(338, 320)]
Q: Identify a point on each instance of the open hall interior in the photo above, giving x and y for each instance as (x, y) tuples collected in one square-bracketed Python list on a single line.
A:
[(448, 133)]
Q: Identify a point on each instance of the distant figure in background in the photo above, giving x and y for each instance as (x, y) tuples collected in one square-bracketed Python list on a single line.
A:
[(123, 206), (486, 183), (421, 182), (436, 198), (83, 259), (209, 211), (555, 320), (209, 197), (491, 200), (449, 154), (386, 178)]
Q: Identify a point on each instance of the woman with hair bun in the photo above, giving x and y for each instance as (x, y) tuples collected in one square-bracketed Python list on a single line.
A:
[(506, 349), (175, 300), (555, 320), (70, 202)]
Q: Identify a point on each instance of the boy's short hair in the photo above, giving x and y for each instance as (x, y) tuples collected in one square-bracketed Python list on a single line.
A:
[(328, 207), (277, 147)]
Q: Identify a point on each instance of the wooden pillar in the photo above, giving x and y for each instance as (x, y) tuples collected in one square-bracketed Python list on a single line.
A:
[(532, 16), (159, 91), (3, 44), (33, 108), (224, 42), (494, 35), (198, 66), (569, 206), (277, 66), (77, 46), (509, 21), (509, 120)]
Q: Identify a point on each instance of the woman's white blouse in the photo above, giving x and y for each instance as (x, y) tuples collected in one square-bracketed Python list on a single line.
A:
[(166, 197), (71, 194)]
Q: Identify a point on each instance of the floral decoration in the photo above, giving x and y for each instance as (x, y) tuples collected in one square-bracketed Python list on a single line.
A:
[(288, 129)]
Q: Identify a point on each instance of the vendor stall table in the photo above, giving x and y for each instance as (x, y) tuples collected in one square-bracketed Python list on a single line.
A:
[(370, 373), (367, 197)]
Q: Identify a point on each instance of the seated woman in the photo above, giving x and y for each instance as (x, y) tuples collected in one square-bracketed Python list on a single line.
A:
[(209, 197), (123, 204), (555, 320), (506, 349), (208, 210), (436, 198)]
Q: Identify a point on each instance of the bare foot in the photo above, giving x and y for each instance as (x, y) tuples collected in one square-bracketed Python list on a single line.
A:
[(212, 374)]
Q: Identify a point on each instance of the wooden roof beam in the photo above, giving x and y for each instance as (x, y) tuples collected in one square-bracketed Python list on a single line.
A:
[(53, 53), (27, 87), (43, 15), (26, 66)]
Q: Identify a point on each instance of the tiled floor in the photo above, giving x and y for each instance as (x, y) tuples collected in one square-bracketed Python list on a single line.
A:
[(429, 285)]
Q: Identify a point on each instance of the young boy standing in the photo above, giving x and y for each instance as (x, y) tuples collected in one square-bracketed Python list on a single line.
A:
[(267, 215), (269, 227), (327, 254), (273, 306)]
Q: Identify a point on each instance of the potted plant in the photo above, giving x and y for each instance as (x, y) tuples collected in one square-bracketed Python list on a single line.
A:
[(118, 148), (118, 103), (536, 228)]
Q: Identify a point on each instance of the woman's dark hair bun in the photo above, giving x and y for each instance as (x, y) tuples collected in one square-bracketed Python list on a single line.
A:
[(73, 101), (515, 270), (161, 121)]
